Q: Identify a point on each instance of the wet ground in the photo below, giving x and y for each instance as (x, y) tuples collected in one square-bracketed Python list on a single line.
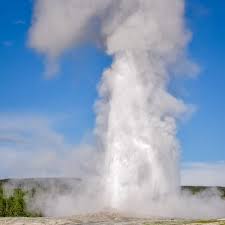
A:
[(105, 219)]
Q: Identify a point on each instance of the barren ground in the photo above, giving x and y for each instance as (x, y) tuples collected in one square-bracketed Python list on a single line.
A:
[(104, 219)]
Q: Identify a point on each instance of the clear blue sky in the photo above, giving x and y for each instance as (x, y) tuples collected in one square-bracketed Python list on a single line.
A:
[(24, 90)]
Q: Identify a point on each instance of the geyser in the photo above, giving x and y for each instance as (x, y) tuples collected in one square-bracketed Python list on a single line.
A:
[(140, 144), (136, 115)]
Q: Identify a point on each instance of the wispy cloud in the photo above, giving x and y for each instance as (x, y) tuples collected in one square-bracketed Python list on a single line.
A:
[(7, 43), (30, 146), (19, 22), (4, 139), (202, 173)]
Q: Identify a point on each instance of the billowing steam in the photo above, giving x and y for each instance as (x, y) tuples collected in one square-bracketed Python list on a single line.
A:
[(136, 115)]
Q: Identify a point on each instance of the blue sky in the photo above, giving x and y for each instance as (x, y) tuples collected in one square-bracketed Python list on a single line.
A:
[(69, 97), (203, 136)]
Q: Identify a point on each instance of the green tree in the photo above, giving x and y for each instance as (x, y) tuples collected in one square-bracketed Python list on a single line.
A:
[(19, 205), (9, 206), (2, 202), (15, 204)]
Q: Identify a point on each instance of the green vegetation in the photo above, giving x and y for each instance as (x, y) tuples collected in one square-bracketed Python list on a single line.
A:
[(13, 205), (198, 189)]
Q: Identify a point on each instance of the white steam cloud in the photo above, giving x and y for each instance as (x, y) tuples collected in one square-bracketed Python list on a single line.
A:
[(136, 115)]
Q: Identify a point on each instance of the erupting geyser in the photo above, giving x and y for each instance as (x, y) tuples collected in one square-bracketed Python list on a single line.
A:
[(136, 114), (141, 148)]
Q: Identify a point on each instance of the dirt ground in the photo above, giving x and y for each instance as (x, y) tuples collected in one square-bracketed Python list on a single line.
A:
[(105, 219)]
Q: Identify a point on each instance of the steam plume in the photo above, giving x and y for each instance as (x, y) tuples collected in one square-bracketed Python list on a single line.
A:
[(136, 115)]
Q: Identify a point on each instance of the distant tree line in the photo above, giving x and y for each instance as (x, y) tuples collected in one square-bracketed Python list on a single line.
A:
[(198, 189)]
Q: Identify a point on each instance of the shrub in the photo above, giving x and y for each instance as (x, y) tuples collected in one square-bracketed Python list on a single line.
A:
[(13, 205), (2, 203)]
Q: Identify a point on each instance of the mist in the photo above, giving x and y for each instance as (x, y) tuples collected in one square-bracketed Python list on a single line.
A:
[(136, 115)]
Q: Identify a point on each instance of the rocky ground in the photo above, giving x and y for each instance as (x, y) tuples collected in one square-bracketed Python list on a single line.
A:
[(104, 219)]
